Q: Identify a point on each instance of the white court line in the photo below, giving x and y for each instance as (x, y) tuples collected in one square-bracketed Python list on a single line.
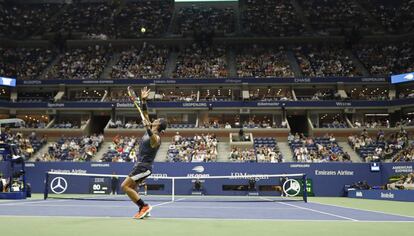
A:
[(18, 203), (80, 205), (204, 219), (165, 203), (219, 207), (308, 209), (321, 212), (7, 201), (381, 212), (162, 205)]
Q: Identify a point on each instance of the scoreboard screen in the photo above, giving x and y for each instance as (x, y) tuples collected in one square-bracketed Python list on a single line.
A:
[(402, 78), (7, 81), (99, 185)]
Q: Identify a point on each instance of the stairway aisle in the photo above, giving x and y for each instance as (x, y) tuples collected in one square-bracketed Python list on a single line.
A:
[(223, 151), (286, 151), (102, 150), (162, 152), (347, 148)]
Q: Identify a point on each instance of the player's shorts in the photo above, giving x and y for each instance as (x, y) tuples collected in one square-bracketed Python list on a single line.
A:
[(140, 172)]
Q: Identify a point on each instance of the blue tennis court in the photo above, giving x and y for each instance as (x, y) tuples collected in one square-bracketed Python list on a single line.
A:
[(199, 207)]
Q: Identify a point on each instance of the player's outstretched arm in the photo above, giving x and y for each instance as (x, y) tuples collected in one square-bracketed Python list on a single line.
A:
[(144, 96)]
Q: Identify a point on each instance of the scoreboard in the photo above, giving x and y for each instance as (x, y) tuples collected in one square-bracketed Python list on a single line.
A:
[(99, 185), (402, 78), (11, 82)]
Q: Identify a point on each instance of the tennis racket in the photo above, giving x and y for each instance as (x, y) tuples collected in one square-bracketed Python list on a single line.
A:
[(136, 100)]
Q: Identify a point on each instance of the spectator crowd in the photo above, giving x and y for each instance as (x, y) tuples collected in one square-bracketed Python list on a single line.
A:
[(122, 149), (73, 148), (271, 18), (325, 61), (205, 19), (318, 149), (199, 148), (379, 148), (261, 62), (147, 62), (196, 62)]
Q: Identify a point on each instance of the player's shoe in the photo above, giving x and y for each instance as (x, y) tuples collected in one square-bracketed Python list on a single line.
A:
[(143, 212)]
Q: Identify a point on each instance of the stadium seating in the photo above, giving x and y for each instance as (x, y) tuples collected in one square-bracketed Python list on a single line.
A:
[(24, 63), (154, 16), (265, 149), (405, 155), (200, 148), (122, 149), (332, 17), (23, 20), (250, 64), (395, 16), (262, 62), (148, 62), (181, 126), (270, 18), (80, 64), (197, 62), (74, 148), (384, 59), (27, 145), (205, 19), (319, 149), (35, 96), (381, 148), (90, 18), (335, 125), (325, 61)]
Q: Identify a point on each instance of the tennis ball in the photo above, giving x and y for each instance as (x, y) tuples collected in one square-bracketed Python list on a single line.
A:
[(143, 30)]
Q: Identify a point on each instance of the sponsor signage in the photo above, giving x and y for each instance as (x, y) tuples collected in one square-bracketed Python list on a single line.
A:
[(136, 81), (378, 194), (221, 104), (99, 185), (327, 179), (58, 185)]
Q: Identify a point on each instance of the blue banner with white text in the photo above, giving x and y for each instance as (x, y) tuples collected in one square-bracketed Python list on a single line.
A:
[(325, 80), (208, 104), (402, 78), (328, 179), (379, 194)]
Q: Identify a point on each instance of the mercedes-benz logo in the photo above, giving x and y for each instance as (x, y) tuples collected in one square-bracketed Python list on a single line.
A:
[(291, 187), (58, 185)]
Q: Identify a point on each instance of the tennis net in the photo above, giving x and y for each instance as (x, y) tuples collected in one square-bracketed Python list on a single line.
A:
[(256, 187)]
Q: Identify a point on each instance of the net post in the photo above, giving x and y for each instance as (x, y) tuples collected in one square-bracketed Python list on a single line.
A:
[(173, 189), (305, 189), (46, 190)]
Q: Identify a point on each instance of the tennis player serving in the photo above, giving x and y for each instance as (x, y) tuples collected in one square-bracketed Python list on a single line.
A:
[(148, 148)]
